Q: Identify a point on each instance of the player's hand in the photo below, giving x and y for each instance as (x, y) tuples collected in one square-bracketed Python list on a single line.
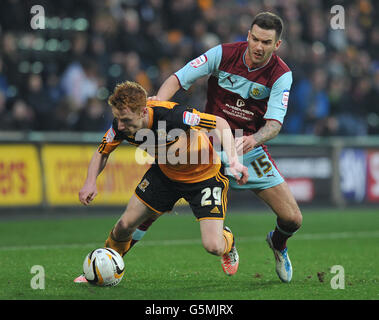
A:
[(153, 98), (239, 171), (245, 144), (87, 193)]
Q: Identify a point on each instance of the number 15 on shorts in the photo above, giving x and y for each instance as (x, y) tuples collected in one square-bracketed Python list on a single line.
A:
[(261, 166)]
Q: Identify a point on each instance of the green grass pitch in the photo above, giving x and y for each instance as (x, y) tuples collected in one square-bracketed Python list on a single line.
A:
[(171, 264)]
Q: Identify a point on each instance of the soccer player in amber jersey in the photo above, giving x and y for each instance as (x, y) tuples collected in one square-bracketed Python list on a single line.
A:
[(167, 181), (249, 86)]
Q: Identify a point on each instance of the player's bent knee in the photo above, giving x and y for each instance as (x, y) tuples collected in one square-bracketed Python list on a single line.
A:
[(299, 219), (296, 219), (293, 221)]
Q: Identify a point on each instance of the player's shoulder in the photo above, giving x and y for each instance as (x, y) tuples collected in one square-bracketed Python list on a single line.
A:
[(166, 111), (278, 68), (280, 65), (233, 47), (160, 110), (232, 57), (165, 105)]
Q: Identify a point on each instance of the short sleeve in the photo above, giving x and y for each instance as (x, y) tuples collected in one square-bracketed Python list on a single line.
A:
[(278, 101), (110, 141), (203, 65)]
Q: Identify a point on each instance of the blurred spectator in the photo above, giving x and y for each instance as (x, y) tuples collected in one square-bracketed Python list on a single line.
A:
[(3, 79), (128, 67), (310, 104), (37, 97), (129, 36), (373, 48), (79, 82), (5, 116), (11, 57), (182, 14), (99, 54), (94, 116), (339, 100), (348, 111), (372, 105), (79, 46), (13, 15), (66, 115), (53, 89), (22, 116)]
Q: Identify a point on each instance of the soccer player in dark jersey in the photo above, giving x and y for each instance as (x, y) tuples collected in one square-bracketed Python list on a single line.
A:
[(249, 87), (165, 128)]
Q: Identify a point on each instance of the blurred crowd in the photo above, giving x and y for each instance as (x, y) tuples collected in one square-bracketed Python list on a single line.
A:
[(59, 78)]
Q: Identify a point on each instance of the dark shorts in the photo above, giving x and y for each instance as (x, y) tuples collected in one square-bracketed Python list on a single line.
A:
[(208, 198)]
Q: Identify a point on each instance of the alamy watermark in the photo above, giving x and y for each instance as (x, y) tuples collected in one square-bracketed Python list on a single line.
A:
[(178, 147), (337, 281), (337, 20), (37, 281), (38, 18)]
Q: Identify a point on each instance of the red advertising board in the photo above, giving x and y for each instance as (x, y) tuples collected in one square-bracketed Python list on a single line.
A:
[(373, 176), (302, 189)]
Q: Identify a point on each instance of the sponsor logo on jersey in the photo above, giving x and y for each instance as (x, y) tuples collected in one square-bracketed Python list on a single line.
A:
[(240, 103), (285, 98), (190, 118), (230, 79), (110, 135), (215, 210), (198, 62)]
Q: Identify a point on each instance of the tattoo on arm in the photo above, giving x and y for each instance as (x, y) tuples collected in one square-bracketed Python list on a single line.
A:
[(269, 131)]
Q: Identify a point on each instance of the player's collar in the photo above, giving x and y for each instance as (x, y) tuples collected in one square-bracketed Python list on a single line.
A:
[(248, 68), (149, 118)]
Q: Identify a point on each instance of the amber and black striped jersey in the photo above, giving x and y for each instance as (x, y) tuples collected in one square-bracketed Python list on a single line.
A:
[(176, 130)]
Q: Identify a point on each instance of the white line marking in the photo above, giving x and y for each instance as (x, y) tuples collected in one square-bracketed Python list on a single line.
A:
[(306, 236)]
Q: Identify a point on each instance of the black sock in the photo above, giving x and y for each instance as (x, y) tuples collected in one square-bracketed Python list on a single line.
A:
[(281, 233)]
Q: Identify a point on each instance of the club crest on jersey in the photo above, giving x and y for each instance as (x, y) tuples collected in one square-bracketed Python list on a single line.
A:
[(190, 118), (110, 135), (259, 91), (285, 98), (143, 185), (198, 62), (255, 92)]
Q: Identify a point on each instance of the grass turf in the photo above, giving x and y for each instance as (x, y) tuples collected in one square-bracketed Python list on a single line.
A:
[(170, 263)]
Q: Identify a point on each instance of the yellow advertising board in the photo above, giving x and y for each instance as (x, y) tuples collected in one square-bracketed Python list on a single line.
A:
[(66, 170), (20, 176)]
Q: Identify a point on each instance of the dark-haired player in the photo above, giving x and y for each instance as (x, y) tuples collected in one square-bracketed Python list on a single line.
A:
[(249, 87)]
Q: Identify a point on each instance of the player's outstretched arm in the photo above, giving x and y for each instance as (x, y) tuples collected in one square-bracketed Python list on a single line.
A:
[(167, 89), (89, 189), (224, 134)]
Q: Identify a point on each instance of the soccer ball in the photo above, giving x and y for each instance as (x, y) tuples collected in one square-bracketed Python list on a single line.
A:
[(103, 267)]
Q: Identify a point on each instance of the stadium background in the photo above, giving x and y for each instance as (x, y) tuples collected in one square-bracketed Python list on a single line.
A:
[(54, 85), (53, 89)]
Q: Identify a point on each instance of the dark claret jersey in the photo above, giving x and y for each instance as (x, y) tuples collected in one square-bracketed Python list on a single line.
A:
[(245, 97), (173, 131)]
